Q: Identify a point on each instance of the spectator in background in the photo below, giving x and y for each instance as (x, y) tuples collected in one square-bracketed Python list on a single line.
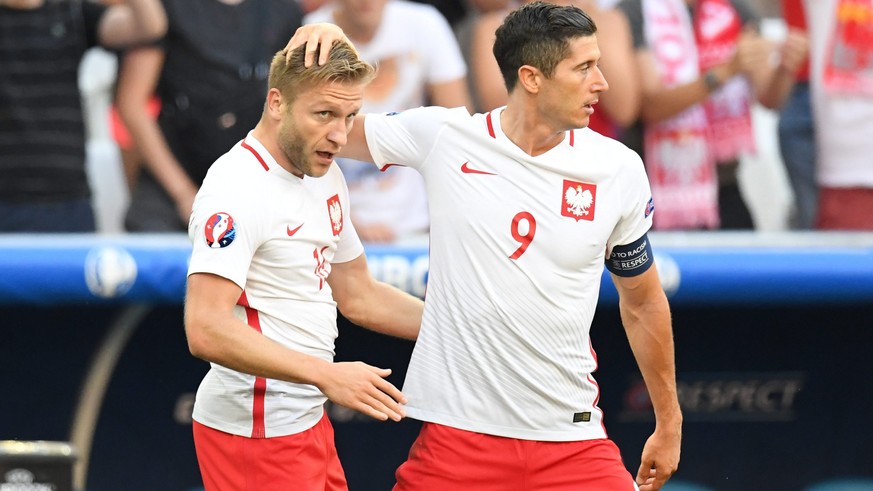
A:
[(796, 130), (702, 64), (418, 62), (842, 94), (209, 73), (617, 109), (44, 186)]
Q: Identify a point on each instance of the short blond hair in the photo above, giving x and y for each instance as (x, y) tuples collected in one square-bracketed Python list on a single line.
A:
[(343, 66)]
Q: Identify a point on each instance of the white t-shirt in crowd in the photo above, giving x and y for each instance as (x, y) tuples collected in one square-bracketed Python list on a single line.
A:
[(275, 235), (517, 247), (843, 123)]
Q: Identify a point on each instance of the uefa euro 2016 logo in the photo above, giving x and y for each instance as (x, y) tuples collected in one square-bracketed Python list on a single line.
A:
[(220, 230)]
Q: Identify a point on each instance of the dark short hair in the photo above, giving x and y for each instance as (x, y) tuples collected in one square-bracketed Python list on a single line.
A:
[(538, 34)]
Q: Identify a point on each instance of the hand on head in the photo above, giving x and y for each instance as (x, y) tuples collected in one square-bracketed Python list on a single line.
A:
[(318, 39)]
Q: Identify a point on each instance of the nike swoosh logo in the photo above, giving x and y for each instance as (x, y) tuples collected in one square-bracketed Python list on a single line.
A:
[(466, 169), (292, 231)]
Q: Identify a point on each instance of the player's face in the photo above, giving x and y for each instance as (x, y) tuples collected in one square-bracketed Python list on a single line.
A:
[(317, 125), (569, 96)]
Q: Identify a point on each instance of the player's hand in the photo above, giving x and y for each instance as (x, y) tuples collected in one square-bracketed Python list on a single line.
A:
[(317, 37), (660, 459), (363, 388)]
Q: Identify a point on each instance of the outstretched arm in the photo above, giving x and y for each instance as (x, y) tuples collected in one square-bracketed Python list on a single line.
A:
[(373, 304), (216, 335), (645, 314)]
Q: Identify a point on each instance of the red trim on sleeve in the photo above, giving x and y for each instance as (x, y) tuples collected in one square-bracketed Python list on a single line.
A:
[(260, 387), (255, 153)]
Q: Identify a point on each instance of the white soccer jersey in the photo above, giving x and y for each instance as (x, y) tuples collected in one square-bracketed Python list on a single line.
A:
[(517, 247), (275, 235)]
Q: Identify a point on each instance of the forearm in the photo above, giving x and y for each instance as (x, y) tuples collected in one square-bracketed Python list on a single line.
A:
[(774, 94), (650, 335), (793, 54), (221, 338), (386, 310), (666, 103), (157, 156)]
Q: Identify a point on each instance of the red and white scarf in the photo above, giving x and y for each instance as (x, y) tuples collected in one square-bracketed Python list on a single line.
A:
[(849, 68), (682, 152)]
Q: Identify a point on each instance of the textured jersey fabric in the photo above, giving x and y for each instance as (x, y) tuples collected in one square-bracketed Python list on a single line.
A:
[(517, 247), (275, 235)]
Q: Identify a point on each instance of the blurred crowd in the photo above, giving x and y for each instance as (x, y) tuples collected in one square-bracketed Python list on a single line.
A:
[(688, 81)]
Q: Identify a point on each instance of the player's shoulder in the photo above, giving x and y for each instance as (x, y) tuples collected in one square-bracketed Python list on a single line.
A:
[(427, 114), (603, 142), (610, 149), (237, 168)]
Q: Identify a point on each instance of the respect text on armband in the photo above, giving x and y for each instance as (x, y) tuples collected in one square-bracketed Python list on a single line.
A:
[(631, 259)]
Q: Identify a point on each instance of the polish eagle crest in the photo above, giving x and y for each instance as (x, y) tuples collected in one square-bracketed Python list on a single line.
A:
[(578, 200), (335, 211)]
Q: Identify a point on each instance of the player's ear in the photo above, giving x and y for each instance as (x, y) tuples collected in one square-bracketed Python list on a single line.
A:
[(530, 78), (275, 104)]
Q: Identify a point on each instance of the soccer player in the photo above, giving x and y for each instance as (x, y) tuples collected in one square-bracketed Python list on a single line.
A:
[(527, 205), (274, 257)]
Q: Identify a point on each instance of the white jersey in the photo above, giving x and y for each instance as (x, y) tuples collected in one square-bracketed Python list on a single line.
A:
[(517, 246), (275, 235)]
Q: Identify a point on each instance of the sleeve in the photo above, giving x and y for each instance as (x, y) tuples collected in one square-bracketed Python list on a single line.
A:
[(406, 138), (226, 229), (636, 217), (445, 61), (349, 246)]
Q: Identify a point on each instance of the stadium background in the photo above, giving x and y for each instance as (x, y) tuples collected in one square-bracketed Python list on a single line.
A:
[(773, 334)]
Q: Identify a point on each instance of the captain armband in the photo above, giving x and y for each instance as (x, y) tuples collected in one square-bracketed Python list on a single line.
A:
[(632, 259)]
